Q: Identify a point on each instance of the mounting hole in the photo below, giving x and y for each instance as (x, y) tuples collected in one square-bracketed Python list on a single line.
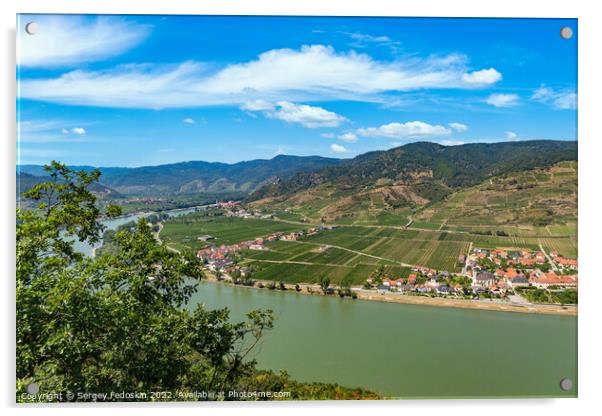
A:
[(31, 28), (32, 388), (566, 384), (566, 33)]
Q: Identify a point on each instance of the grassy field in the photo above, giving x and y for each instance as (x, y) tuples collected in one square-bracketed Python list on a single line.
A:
[(182, 233)]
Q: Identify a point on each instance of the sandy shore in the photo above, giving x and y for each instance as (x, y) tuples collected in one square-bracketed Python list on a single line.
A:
[(372, 295)]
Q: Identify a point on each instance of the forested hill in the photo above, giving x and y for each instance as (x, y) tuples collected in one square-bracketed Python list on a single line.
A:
[(429, 170), (198, 176)]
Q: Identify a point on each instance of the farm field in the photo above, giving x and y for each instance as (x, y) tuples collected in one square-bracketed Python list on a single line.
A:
[(348, 251), (182, 233)]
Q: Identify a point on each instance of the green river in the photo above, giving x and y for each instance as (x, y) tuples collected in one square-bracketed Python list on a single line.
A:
[(408, 351)]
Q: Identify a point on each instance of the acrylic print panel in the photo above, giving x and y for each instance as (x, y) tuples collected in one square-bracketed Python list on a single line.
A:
[(295, 208)]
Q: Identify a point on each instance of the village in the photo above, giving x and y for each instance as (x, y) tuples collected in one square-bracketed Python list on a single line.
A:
[(495, 273)]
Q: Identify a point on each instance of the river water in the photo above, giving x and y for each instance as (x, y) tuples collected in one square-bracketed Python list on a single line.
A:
[(404, 351), (112, 224), (408, 351)]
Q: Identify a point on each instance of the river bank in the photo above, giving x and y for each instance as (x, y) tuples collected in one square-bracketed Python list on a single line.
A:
[(373, 295)]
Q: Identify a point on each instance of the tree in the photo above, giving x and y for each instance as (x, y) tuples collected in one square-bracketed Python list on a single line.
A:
[(345, 286), (377, 275), (118, 322), (324, 283)]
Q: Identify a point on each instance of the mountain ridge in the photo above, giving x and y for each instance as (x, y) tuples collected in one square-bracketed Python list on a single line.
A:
[(428, 167), (198, 176)]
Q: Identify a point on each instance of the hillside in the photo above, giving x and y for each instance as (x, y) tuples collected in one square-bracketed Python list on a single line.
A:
[(539, 202), (388, 186), (199, 177), (25, 181)]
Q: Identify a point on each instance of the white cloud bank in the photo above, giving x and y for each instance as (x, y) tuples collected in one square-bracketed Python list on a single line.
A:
[(411, 129), (510, 135), (314, 73), (68, 40), (502, 100), (188, 120), (561, 100), (78, 130), (305, 115)]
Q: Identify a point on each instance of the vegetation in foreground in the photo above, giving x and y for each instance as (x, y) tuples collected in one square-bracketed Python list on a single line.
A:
[(116, 323)]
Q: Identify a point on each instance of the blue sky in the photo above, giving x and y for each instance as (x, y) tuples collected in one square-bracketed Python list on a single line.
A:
[(147, 90)]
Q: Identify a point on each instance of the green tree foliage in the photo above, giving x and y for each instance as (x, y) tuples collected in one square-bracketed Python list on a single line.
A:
[(116, 322), (324, 284), (376, 277)]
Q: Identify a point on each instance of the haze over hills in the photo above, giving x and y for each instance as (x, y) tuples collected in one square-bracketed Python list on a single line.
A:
[(27, 181), (199, 176)]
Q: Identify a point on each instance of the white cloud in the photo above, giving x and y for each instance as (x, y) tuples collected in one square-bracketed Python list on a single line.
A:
[(314, 73), (562, 100), (188, 120), (348, 137), (327, 135), (64, 131), (411, 129), (257, 105), (78, 130), (337, 148), (69, 40), (459, 127), (364, 37), (510, 135), (305, 115), (451, 142), (502, 100), (482, 77)]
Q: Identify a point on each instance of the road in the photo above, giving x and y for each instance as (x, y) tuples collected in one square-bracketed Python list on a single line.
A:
[(552, 264), (465, 269)]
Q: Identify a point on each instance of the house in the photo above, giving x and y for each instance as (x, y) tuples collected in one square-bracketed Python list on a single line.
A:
[(545, 280), (206, 237), (520, 280), (412, 279), (443, 290), (499, 253), (382, 289), (485, 279), (404, 288), (572, 263), (511, 273)]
